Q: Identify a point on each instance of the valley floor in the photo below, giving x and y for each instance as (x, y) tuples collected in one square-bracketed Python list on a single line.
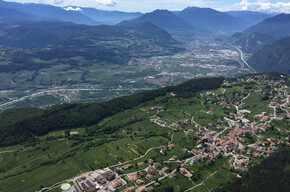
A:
[(92, 82)]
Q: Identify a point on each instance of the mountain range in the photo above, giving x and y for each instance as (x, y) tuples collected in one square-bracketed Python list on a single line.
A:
[(198, 20), (277, 27), (47, 12), (251, 17), (103, 44), (211, 19), (31, 26), (11, 16), (263, 33), (109, 17), (190, 19), (162, 18), (88, 16)]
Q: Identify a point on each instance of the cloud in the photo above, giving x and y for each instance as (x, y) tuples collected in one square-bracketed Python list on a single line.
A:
[(109, 3), (263, 6), (69, 8), (58, 2)]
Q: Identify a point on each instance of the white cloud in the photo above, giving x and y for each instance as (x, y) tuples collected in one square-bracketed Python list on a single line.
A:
[(58, 2), (263, 6), (69, 8), (109, 3)]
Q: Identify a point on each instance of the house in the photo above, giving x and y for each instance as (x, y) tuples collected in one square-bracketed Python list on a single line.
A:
[(183, 171), (125, 167), (89, 186), (101, 180), (193, 161), (171, 146), (150, 161), (185, 122), (140, 164), (173, 176), (162, 150), (156, 165), (142, 189), (151, 171), (131, 189), (156, 184), (173, 158), (175, 125), (142, 173), (109, 175), (157, 108), (139, 182), (133, 177), (165, 170), (149, 177), (243, 111), (184, 150), (117, 184)]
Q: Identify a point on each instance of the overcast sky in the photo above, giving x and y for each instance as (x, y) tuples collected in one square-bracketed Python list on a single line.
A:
[(150, 5)]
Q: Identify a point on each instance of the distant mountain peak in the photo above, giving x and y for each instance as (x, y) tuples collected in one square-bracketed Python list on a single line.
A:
[(276, 27), (211, 19), (160, 12), (162, 18), (281, 17)]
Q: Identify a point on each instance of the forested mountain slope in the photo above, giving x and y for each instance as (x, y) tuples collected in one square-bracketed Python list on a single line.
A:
[(16, 128), (273, 57)]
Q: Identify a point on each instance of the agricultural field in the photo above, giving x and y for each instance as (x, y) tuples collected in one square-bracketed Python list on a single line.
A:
[(80, 80), (136, 135)]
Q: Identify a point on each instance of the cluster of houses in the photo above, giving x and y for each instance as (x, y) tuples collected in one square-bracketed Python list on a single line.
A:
[(141, 178), (160, 122), (236, 140), (103, 180), (233, 143), (220, 99)]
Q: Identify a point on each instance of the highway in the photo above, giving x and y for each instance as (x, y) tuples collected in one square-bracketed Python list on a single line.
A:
[(244, 61)]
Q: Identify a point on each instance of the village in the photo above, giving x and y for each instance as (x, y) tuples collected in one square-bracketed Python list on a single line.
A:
[(239, 137)]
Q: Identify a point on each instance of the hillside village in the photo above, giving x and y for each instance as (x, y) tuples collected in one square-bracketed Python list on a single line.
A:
[(241, 137)]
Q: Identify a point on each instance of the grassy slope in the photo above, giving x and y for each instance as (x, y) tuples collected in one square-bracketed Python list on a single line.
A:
[(91, 154)]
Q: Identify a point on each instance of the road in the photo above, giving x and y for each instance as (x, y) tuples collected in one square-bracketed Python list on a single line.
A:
[(33, 95), (11, 151), (43, 156), (161, 178), (144, 154), (202, 183), (135, 158), (244, 61)]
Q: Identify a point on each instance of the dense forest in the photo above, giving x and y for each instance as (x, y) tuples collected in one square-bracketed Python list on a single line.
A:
[(273, 174), (20, 125)]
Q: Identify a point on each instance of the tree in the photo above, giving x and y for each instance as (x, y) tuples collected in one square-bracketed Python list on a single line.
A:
[(67, 132)]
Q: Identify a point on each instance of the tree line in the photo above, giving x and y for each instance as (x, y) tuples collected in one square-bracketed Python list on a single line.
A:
[(21, 125)]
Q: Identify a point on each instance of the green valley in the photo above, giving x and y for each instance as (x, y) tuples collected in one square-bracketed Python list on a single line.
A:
[(193, 136)]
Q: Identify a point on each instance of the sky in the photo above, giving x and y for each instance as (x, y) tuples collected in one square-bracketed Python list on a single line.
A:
[(150, 5)]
